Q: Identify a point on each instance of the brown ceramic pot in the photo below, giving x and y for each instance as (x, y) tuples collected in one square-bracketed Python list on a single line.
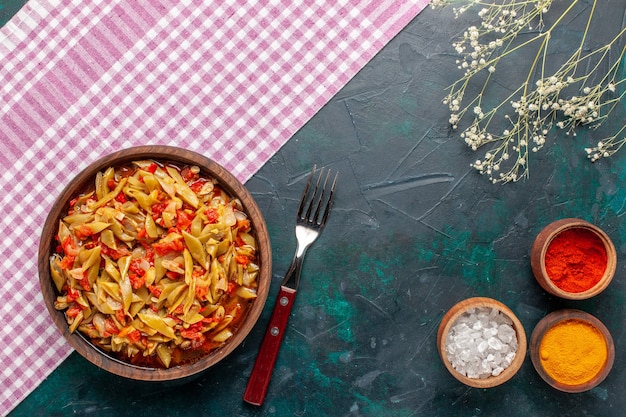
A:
[(84, 181), (555, 318), (540, 247), (449, 320)]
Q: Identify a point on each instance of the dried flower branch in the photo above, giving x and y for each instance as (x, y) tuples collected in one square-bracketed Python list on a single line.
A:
[(582, 91)]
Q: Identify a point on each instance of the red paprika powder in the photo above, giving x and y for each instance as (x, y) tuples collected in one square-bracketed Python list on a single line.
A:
[(576, 260)]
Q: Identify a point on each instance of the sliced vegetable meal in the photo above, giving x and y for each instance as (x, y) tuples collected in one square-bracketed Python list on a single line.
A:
[(157, 265)]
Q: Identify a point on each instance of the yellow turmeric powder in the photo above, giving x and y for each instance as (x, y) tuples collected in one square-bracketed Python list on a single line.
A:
[(573, 352)]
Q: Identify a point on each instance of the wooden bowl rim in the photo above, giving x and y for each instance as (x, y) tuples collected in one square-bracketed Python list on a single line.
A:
[(551, 320), (163, 154), (453, 314), (540, 247)]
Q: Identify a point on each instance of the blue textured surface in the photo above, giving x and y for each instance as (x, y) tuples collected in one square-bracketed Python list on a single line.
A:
[(414, 230)]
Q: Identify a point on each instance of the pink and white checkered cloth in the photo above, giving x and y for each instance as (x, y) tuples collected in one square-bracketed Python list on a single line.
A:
[(231, 79)]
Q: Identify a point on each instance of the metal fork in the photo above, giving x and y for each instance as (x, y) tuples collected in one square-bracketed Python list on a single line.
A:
[(313, 211)]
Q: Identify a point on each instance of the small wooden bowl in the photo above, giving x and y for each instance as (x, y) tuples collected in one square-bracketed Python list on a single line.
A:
[(540, 247), (553, 319), (85, 181), (451, 317)]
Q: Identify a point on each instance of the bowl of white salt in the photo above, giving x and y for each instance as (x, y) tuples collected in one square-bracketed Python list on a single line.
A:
[(481, 342)]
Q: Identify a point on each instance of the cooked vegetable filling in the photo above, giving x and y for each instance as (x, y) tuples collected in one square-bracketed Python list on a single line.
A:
[(157, 265)]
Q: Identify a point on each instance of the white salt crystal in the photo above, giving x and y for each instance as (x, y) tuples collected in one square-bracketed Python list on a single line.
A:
[(505, 333), (481, 343), (494, 343), (508, 359), (490, 332), (497, 371)]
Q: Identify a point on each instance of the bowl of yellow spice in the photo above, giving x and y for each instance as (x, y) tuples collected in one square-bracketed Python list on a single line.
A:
[(572, 350)]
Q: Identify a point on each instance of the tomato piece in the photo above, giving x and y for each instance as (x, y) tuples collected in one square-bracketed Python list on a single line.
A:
[(84, 282), (73, 311), (192, 334), (142, 234), (242, 260), (137, 273), (162, 248), (135, 266), (202, 291), (212, 215), (110, 327), (154, 290), (134, 336), (174, 276), (210, 320), (157, 209), (239, 241), (69, 246), (82, 232), (174, 245), (149, 254), (114, 254), (187, 174), (197, 185), (136, 281), (183, 219), (67, 262), (120, 316), (72, 294)]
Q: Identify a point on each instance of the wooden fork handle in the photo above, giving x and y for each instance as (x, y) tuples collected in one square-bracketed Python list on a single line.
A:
[(264, 364)]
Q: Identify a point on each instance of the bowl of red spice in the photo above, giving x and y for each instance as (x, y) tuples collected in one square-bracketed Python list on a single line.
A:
[(154, 263), (572, 350), (573, 259)]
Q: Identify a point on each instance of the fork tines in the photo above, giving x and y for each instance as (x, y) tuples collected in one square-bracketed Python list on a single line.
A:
[(317, 201)]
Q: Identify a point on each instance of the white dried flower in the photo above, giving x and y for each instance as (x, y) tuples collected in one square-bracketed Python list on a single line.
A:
[(537, 104)]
